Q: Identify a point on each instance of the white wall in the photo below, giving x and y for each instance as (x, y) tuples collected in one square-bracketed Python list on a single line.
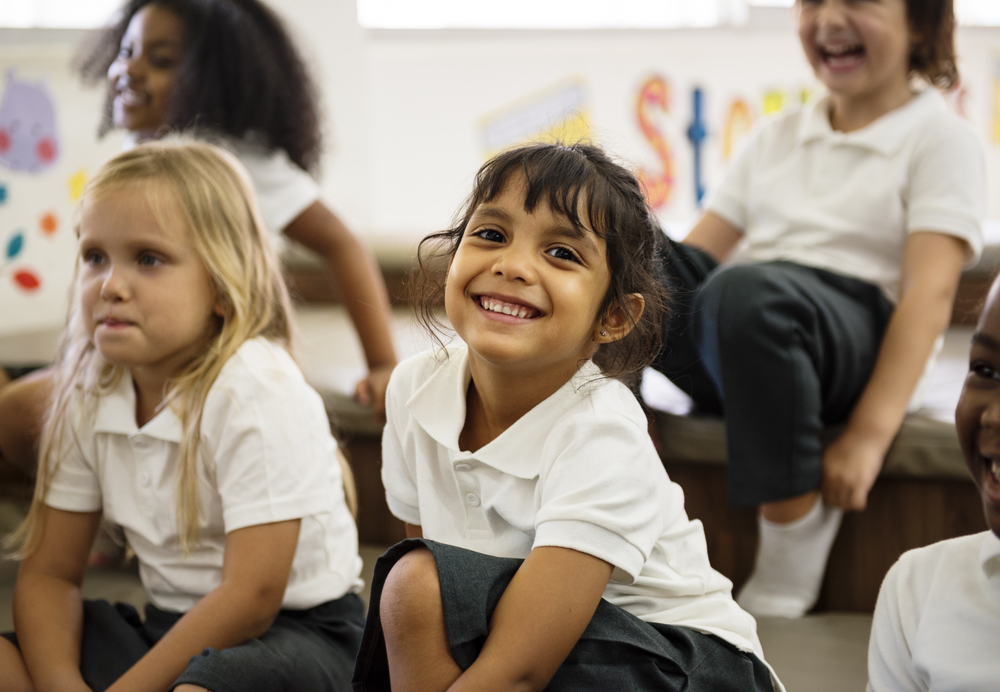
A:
[(406, 109)]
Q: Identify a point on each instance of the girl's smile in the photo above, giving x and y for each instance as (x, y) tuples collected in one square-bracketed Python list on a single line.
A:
[(860, 51), (977, 416), (142, 76), (524, 288)]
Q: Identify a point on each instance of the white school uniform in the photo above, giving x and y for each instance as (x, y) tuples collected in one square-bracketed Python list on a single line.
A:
[(578, 471), (267, 456), (847, 202), (937, 620)]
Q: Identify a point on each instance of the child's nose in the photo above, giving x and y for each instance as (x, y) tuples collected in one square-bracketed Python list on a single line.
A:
[(114, 288), (990, 417), (515, 264)]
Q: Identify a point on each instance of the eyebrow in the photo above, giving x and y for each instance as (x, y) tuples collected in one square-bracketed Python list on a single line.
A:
[(987, 341), (566, 230)]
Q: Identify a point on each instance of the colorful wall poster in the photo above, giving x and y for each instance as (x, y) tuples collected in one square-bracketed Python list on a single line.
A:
[(48, 143)]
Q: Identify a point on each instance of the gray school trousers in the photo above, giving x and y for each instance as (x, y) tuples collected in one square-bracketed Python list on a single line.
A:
[(780, 350)]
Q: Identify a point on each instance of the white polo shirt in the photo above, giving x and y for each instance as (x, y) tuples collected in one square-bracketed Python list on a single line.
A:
[(937, 620), (578, 471), (847, 202), (268, 456)]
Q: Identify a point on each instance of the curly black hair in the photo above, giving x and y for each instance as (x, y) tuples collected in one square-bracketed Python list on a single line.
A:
[(240, 73), (581, 183)]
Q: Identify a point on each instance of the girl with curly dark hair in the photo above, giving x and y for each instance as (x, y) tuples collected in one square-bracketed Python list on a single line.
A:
[(226, 71)]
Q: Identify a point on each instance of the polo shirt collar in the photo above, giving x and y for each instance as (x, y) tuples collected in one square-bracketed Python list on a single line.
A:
[(438, 406), (989, 554), (116, 414), (886, 135)]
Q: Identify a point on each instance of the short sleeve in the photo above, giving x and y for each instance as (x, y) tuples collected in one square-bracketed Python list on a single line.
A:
[(730, 197), (890, 656), (75, 486), (269, 441), (283, 189), (600, 494), (947, 191), (397, 467)]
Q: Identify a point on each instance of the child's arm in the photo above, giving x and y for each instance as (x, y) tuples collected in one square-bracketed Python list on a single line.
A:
[(539, 619), (932, 264), (48, 611), (362, 289), (255, 569), (22, 409), (714, 235)]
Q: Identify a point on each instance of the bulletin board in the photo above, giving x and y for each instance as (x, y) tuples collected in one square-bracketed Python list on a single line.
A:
[(48, 149)]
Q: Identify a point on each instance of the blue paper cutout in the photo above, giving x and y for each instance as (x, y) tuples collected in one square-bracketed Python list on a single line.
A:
[(697, 133), (15, 245)]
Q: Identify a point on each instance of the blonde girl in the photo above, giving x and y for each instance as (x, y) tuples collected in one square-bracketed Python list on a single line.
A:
[(549, 548), (179, 416)]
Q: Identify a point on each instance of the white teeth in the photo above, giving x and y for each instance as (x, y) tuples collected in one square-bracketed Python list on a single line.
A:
[(492, 306), (995, 469)]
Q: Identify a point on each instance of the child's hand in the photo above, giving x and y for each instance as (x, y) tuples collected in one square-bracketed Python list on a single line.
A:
[(371, 390), (850, 467)]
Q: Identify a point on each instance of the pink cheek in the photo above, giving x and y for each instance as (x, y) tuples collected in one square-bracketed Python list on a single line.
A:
[(4, 141)]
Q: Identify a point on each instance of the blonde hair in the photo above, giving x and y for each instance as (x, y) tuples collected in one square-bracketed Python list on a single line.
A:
[(200, 185)]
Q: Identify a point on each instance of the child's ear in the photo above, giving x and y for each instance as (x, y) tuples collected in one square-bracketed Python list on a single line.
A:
[(619, 320)]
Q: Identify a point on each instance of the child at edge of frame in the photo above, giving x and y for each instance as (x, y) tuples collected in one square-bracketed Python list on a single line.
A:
[(937, 619), (179, 416)]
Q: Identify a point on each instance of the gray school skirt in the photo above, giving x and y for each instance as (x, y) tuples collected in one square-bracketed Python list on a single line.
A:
[(310, 649), (617, 651)]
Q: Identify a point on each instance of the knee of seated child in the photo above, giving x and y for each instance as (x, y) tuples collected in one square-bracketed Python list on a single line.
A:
[(742, 298), (412, 590)]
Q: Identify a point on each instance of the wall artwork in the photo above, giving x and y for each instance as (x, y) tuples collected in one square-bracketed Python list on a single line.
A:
[(48, 142), (559, 114), (652, 104)]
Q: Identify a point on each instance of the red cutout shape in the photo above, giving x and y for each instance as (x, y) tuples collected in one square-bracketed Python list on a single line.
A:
[(4, 140), (27, 280)]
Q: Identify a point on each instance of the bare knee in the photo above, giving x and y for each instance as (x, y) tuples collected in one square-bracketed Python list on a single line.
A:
[(411, 595)]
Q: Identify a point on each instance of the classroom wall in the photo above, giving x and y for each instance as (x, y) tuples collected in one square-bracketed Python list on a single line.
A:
[(409, 113)]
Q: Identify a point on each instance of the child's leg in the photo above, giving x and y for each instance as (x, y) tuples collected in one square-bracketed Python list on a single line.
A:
[(791, 349), (683, 269), (313, 649), (15, 676), (413, 625)]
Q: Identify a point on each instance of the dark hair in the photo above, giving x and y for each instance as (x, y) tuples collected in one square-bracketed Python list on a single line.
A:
[(240, 73), (932, 23), (568, 177)]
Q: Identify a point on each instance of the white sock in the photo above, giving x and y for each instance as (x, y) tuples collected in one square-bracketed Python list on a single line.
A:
[(791, 561)]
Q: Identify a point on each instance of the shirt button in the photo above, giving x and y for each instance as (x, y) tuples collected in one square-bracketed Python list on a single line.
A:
[(140, 443), (463, 467), (472, 499), (144, 479)]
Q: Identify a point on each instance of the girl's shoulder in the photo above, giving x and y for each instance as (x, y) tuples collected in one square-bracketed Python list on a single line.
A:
[(260, 368), (415, 371)]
